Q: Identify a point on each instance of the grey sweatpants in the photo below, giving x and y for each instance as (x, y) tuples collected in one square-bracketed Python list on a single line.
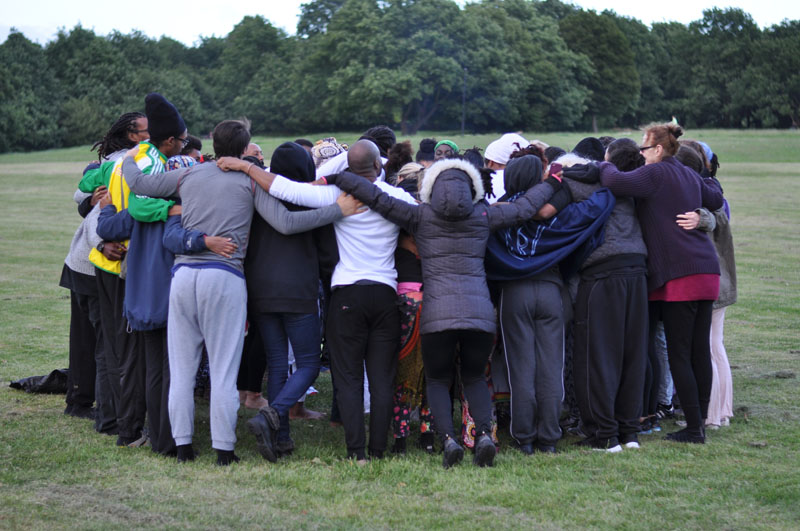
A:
[(205, 305), (532, 324)]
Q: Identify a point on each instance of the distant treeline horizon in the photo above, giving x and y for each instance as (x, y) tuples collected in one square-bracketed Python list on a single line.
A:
[(491, 66)]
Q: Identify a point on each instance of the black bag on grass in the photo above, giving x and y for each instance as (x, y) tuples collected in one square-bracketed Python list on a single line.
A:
[(53, 383)]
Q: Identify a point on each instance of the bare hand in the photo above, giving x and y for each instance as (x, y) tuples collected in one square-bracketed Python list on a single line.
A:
[(114, 250), (232, 164), (221, 246), (98, 193), (105, 200), (132, 151), (320, 181), (688, 220), (174, 210), (350, 205)]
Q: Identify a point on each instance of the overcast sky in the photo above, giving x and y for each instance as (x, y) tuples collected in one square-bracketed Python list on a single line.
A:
[(187, 21)]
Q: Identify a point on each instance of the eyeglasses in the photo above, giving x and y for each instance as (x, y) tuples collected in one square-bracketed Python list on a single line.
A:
[(184, 141), (645, 148)]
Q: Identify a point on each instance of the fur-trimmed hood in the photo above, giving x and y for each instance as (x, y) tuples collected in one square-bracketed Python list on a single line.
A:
[(452, 187)]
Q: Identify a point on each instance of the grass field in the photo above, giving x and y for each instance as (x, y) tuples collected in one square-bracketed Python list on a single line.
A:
[(56, 472)]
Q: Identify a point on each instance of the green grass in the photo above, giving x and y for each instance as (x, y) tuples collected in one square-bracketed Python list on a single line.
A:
[(56, 472)]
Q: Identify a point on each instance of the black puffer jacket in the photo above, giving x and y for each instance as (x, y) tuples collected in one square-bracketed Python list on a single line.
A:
[(451, 227)]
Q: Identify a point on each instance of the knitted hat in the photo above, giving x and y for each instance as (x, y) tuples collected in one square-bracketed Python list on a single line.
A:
[(590, 148), (426, 148), (292, 161), (450, 143), (501, 149), (325, 149), (163, 119)]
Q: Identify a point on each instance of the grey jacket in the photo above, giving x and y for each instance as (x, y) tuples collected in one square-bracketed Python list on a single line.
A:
[(84, 239), (718, 226), (451, 227), (221, 203), (623, 234)]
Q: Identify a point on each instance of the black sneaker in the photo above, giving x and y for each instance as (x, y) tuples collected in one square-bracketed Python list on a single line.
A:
[(399, 446), (687, 435), (226, 457), (426, 442), (264, 426), (665, 411), (544, 448), (629, 441), (284, 447), (80, 412), (484, 451), (610, 445), (526, 448), (184, 453), (453, 453)]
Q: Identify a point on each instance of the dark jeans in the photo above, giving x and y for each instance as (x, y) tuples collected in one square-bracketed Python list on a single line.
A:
[(277, 330), (439, 352), (364, 328), (687, 326)]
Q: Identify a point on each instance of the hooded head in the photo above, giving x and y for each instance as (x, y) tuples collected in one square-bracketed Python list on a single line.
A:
[(325, 149), (452, 187), (522, 174), (293, 162), (163, 118)]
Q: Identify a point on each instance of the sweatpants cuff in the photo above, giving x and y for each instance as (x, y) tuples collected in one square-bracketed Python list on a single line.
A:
[(224, 446), (180, 441)]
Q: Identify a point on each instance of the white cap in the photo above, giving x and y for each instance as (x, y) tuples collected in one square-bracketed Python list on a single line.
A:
[(501, 149)]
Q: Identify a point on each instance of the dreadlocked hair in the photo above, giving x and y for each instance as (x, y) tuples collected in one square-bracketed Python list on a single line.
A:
[(531, 149), (117, 136), (486, 179)]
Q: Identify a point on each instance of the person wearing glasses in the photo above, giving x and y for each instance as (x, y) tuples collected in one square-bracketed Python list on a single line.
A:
[(682, 266), (138, 222)]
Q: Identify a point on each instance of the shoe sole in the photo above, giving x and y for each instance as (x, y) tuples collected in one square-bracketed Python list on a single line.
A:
[(262, 440), (613, 450)]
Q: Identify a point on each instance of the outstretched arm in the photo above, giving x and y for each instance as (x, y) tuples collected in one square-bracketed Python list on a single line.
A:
[(287, 222), (402, 211), (154, 185), (525, 207)]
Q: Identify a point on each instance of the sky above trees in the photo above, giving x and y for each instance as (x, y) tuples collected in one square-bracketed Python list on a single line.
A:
[(186, 21)]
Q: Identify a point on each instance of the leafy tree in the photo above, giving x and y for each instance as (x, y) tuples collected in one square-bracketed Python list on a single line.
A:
[(615, 83), (29, 97), (316, 15)]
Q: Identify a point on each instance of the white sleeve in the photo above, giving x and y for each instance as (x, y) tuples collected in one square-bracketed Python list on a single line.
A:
[(397, 193), (303, 194)]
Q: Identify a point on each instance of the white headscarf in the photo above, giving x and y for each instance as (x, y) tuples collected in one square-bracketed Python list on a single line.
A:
[(501, 149)]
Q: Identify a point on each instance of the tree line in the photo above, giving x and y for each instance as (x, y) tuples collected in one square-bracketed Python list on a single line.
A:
[(493, 65)]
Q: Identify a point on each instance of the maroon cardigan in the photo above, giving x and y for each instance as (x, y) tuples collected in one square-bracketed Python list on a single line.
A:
[(662, 191)]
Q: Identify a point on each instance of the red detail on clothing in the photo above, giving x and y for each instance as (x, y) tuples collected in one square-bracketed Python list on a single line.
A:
[(703, 287)]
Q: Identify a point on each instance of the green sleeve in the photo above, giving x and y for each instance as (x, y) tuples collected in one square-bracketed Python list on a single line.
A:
[(148, 209), (96, 177)]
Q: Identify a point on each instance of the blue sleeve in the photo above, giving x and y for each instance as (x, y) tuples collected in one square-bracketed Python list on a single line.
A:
[(179, 240), (114, 226)]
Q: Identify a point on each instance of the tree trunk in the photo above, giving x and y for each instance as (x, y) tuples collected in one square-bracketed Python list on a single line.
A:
[(594, 123)]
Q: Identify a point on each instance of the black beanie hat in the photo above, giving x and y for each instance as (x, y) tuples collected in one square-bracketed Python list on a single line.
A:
[(163, 119), (426, 148), (293, 162), (590, 148)]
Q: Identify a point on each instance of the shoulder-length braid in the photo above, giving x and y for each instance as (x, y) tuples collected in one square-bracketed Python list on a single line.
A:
[(117, 136)]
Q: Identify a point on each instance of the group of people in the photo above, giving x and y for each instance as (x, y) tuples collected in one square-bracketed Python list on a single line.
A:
[(562, 291)]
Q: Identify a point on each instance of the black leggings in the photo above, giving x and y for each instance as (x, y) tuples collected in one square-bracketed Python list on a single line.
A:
[(687, 326), (439, 356)]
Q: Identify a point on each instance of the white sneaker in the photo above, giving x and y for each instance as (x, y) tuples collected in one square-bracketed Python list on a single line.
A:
[(614, 449), (633, 445)]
